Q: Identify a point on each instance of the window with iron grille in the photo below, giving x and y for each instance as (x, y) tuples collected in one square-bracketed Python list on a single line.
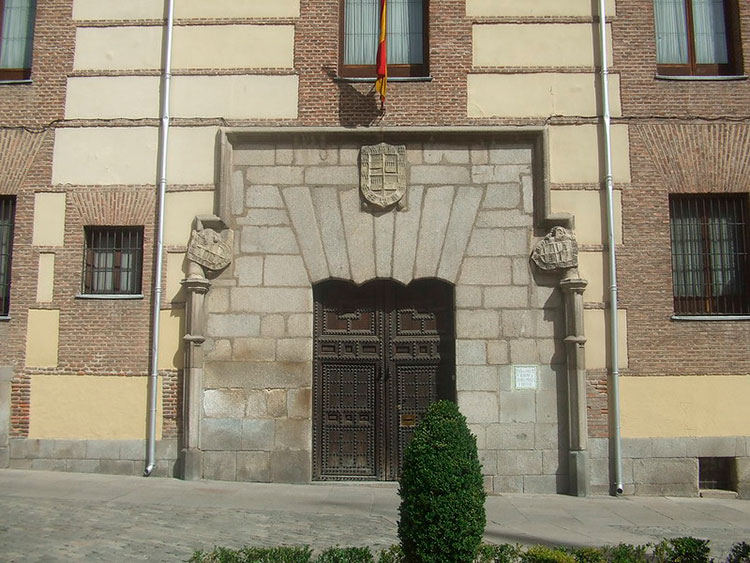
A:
[(7, 214), (113, 260), (710, 254)]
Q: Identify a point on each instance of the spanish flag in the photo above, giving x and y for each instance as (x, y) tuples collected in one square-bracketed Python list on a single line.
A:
[(381, 63)]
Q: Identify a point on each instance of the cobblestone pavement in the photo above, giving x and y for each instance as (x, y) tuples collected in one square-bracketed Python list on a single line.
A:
[(46, 516)]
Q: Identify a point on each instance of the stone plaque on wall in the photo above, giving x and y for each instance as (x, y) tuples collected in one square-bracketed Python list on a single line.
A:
[(383, 174), (556, 251), (207, 249)]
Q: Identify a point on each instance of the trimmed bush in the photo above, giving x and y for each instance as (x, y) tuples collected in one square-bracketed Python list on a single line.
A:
[(503, 553), (544, 554), (284, 554), (740, 553), (682, 550), (442, 496), (625, 553), (346, 555)]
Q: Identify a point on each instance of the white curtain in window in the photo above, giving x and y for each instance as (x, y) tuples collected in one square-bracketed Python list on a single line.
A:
[(725, 234), (127, 262), (671, 32), (361, 31), (104, 263), (687, 256), (710, 32), (15, 40)]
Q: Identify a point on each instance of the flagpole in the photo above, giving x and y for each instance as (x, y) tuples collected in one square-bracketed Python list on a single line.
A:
[(381, 61)]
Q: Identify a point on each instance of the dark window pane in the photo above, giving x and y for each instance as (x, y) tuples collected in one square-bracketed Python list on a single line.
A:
[(113, 260), (7, 215)]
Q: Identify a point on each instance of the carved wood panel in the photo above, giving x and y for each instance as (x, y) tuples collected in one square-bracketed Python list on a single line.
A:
[(383, 354)]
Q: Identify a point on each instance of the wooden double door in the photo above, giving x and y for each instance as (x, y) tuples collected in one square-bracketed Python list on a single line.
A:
[(383, 353)]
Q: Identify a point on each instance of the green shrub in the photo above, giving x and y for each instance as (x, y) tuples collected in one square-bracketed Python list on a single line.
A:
[(682, 550), (625, 553), (442, 497), (740, 553), (346, 555), (503, 553), (393, 554), (588, 555), (284, 554), (543, 554)]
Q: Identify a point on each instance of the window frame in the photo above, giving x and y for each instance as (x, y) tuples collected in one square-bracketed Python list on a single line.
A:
[(692, 68), (14, 74), (89, 268), (6, 254), (394, 70), (707, 304)]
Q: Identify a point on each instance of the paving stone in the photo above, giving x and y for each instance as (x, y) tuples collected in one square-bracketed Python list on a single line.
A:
[(264, 217), (237, 193), (82, 465), (102, 449), (521, 274), (72, 449), (264, 197), (503, 218), (217, 300), (117, 467), (284, 270), (509, 155), (254, 349), (257, 375), (254, 466), (436, 155), (51, 465), (553, 462), (349, 156), (488, 460), (717, 446), (497, 173), (316, 156), (229, 326), (257, 405), (220, 350), (524, 351), (479, 155), (518, 323), (508, 484), (406, 235), (253, 156), (636, 447), (548, 404), (547, 436), (221, 466), (331, 225), (284, 155), (665, 471), (166, 449), (478, 431), (384, 225), (4, 457), (668, 447), (598, 448), (507, 297), (257, 434)]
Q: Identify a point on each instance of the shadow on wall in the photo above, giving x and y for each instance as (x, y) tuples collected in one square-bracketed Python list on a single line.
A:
[(359, 104)]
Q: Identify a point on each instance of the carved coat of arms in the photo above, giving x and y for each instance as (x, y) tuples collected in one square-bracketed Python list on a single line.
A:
[(556, 251), (383, 174), (207, 249)]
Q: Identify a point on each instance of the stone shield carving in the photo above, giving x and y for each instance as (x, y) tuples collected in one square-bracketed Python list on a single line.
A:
[(556, 251), (383, 174), (207, 249)]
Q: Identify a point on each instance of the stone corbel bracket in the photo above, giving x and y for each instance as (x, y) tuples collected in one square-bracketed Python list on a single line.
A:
[(209, 250), (557, 253)]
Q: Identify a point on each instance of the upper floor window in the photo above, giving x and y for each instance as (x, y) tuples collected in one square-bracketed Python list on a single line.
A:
[(710, 254), (113, 261), (406, 37), (16, 35), (696, 37), (7, 215)]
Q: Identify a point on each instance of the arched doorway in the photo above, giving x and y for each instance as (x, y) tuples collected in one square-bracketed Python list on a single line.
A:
[(383, 352)]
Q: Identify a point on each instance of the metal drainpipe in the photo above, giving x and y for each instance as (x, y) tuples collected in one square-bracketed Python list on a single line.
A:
[(153, 381), (613, 327)]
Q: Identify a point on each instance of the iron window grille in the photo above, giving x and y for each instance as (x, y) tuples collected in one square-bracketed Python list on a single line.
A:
[(113, 260), (710, 254), (7, 216), (16, 38), (697, 37)]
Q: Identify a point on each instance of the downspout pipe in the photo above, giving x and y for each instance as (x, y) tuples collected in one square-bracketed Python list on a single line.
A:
[(612, 263), (153, 380)]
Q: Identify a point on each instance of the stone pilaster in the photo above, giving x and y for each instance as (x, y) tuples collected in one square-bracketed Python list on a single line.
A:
[(6, 374)]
